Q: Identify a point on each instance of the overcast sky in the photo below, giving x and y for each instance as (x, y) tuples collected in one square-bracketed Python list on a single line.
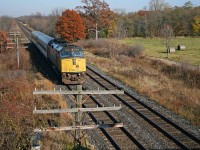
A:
[(17, 8)]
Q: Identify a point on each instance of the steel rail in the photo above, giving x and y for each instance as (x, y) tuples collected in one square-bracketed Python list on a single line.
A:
[(139, 113), (124, 130), (139, 145), (112, 141), (149, 108)]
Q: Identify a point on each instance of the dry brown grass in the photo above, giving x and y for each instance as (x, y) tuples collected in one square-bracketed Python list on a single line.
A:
[(111, 48), (176, 88), (8, 60), (17, 103)]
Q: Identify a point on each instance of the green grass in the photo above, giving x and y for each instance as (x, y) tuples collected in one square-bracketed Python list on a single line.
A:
[(154, 47), (174, 87)]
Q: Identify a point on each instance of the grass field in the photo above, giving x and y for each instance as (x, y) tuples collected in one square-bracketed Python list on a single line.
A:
[(154, 47), (175, 87)]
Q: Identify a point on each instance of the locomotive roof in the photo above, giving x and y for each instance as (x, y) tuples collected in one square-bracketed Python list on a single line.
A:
[(59, 46)]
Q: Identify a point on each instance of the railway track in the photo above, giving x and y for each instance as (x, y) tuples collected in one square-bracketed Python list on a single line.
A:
[(145, 128), (166, 133), (113, 138)]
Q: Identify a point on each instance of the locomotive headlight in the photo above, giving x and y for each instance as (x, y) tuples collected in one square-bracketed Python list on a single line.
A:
[(77, 66), (64, 74)]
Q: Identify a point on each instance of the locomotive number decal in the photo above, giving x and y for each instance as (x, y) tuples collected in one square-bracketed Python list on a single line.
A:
[(74, 61)]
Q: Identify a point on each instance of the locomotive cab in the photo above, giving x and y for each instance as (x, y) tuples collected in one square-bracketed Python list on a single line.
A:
[(68, 60), (72, 64)]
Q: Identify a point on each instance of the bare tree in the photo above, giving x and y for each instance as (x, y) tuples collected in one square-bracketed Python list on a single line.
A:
[(167, 34), (121, 11), (5, 23), (53, 18), (96, 15), (188, 5), (156, 5)]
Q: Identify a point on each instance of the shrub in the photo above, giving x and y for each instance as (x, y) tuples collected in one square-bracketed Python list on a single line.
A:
[(102, 53), (110, 48), (189, 76), (133, 50), (91, 44)]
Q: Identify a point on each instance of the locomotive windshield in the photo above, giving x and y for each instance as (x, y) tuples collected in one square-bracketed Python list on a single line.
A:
[(71, 52)]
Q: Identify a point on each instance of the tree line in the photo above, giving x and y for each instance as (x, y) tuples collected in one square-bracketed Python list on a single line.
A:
[(185, 20), (5, 25), (100, 21)]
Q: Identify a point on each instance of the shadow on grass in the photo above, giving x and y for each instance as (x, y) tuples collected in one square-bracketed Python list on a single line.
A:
[(40, 64), (80, 148)]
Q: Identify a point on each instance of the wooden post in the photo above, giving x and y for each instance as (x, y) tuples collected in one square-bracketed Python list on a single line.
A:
[(96, 30), (16, 39), (17, 48), (78, 115), (77, 125), (76, 110)]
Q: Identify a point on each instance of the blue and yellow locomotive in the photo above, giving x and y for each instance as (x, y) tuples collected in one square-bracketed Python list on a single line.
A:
[(67, 59)]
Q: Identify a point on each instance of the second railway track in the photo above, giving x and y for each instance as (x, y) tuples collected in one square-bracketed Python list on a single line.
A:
[(161, 132), (111, 138)]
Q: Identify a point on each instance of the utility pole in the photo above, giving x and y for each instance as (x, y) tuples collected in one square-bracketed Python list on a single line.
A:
[(17, 48), (78, 115), (78, 126), (96, 31), (15, 34), (16, 40)]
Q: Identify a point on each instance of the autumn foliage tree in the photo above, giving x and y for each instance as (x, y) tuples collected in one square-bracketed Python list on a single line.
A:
[(3, 41), (196, 25), (97, 17), (70, 26)]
